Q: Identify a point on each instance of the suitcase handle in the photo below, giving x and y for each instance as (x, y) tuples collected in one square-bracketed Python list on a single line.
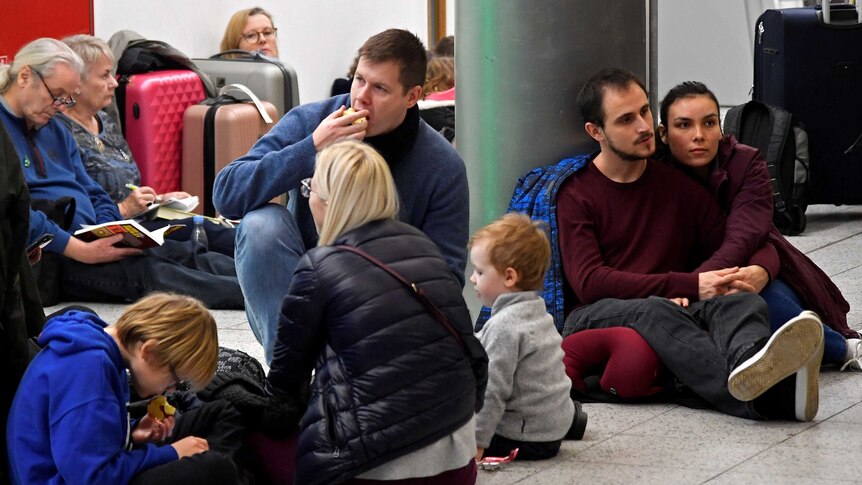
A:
[(244, 54), (826, 13), (254, 99)]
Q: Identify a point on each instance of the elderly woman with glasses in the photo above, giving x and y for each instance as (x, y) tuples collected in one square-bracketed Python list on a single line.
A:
[(395, 388), (105, 153), (251, 29)]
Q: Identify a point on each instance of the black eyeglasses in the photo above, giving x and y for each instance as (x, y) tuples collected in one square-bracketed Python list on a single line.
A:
[(57, 101), (175, 377), (305, 188), (252, 37)]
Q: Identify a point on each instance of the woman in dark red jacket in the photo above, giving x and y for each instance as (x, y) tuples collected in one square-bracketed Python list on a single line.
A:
[(736, 175)]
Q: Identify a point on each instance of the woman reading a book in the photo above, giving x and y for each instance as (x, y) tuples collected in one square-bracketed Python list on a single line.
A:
[(105, 153), (395, 388)]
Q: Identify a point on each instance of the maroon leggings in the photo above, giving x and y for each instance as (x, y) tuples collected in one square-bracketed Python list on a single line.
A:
[(627, 364)]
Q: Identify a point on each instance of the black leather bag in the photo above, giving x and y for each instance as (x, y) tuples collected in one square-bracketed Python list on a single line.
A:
[(47, 270)]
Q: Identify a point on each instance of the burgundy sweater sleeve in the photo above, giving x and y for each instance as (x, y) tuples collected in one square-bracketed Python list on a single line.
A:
[(749, 214)]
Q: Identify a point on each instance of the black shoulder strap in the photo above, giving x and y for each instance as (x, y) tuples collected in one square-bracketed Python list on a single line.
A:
[(415, 290), (732, 120)]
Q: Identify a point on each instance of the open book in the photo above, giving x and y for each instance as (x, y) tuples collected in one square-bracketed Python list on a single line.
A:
[(184, 205), (134, 235)]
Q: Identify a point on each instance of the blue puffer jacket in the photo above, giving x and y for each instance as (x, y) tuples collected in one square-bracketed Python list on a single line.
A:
[(389, 379)]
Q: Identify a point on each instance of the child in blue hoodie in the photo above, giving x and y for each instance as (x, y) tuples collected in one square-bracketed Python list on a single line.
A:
[(69, 421)]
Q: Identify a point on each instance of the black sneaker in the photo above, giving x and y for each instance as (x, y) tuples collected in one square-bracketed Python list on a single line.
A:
[(579, 423)]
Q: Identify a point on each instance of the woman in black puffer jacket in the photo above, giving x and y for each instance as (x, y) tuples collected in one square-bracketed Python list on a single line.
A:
[(394, 393)]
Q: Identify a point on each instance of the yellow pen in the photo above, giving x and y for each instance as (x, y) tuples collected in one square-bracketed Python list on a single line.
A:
[(132, 187)]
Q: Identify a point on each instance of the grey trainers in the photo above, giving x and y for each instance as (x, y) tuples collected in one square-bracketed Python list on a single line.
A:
[(790, 349), (854, 345)]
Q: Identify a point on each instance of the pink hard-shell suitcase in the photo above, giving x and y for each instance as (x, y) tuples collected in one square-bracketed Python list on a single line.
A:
[(153, 123)]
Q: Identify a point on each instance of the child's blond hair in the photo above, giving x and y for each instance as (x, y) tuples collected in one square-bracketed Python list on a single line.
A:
[(185, 331), (514, 241)]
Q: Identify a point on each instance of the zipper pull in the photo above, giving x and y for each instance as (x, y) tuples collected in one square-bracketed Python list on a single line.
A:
[(760, 30)]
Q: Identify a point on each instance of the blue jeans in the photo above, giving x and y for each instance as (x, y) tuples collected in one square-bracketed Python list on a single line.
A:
[(181, 267), (268, 247), (784, 304)]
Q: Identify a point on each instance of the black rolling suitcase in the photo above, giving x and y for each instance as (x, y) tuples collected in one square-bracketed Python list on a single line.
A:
[(809, 61)]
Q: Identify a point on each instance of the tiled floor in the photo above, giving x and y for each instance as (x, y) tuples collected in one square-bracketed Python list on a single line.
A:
[(671, 444)]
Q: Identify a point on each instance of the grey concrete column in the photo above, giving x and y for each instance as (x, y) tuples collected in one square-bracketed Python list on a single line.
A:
[(519, 67)]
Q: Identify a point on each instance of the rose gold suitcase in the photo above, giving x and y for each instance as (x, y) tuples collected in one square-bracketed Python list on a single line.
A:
[(217, 132)]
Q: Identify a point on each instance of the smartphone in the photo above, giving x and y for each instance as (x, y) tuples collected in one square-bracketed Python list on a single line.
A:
[(44, 240)]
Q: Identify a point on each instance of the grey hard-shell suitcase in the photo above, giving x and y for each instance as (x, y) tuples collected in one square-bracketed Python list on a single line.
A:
[(268, 78)]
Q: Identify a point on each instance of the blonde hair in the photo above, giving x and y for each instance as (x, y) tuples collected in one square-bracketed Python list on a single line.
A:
[(515, 241), (357, 186), (42, 55), (236, 24), (440, 75), (185, 332), (90, 49)]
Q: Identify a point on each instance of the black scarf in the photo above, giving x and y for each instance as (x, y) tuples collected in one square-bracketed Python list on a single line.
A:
[(395, 144)]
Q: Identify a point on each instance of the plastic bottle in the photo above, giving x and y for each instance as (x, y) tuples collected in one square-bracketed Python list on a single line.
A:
[(198, 233)]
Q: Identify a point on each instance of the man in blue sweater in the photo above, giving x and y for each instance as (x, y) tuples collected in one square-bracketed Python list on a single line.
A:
[(42, 81), (429, 174)]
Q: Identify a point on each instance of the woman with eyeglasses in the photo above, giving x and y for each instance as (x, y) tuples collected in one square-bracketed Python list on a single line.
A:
[(104, 151), (251, 29), (394, 390), (106, 154)]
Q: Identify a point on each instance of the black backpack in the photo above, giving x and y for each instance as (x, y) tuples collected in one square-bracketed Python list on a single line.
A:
[(783, 143), (47, 271), (145, 55)]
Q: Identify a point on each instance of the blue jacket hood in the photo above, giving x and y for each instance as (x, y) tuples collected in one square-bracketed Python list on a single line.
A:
[(78, 331)]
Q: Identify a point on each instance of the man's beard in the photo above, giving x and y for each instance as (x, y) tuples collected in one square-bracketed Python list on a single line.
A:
[(628, 156)]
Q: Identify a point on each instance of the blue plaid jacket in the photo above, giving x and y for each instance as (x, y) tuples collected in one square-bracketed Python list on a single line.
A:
[(536, 195)]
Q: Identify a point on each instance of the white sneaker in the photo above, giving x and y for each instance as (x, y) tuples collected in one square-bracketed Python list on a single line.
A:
[(790, 349), (854, 346), (807, 399)]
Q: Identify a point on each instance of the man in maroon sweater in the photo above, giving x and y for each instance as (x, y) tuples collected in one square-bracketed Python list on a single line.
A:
[(631, 233)]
